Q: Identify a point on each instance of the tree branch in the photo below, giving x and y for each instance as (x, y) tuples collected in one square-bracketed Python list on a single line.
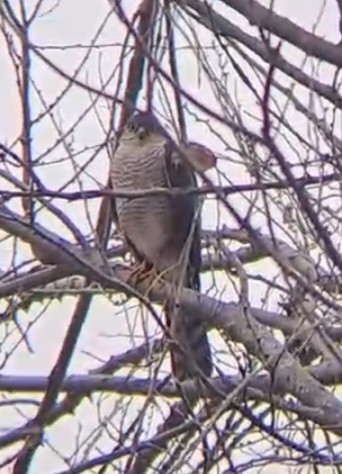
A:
[(284, 28), (220, 25)]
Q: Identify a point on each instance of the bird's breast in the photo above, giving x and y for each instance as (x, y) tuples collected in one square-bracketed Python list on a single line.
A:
[(146, 221)]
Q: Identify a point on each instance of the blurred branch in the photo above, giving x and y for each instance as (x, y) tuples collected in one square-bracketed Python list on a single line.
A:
[(130, 358), (25, 96), (263, 17), (179, 414), (66, 286), (259, 388), (174, 72), (208, 189), (119, 452), (38, 194), (319, 122), (220, 25), (339, 4), (287, 373), (133, 86), (72, 261), (302, 195), (254, 137)]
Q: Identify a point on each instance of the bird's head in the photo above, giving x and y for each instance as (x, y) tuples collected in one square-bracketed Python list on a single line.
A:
[(142, 128)]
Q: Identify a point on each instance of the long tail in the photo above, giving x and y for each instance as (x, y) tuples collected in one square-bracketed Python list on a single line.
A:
[(189, 346)]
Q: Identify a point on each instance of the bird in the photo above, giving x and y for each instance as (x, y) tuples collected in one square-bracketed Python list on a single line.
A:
[(162, 231)]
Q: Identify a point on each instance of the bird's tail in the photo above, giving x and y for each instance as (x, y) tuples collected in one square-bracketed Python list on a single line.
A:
[(189, 346)]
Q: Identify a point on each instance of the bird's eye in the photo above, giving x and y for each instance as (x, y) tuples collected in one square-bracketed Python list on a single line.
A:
[(131, 127)]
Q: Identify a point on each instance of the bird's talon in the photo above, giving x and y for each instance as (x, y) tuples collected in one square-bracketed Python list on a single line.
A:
[(137, 273)]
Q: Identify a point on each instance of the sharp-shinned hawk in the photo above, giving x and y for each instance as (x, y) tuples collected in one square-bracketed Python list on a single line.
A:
[(163, 231)]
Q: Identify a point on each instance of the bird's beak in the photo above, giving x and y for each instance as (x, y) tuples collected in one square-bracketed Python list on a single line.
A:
[(142, 132)]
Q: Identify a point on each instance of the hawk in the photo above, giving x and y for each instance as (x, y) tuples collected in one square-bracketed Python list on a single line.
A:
[(162, 231)]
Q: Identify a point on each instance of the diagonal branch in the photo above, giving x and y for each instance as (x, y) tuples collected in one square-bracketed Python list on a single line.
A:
[(302, 195), (220, 25), (174, 71), (287, 374), (284, 28)]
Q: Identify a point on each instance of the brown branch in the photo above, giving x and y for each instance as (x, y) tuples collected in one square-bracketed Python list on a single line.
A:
[(164, 437), (174, 72), (239, 219), (57, 375), (38, 193), (339, 5), (134, 84), (220, 25), (301, 193), (284, 28), (26, 139), (132, 357), (288, 375)]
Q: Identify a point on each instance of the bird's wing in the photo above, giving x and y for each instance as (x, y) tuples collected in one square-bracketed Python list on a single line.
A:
[(180, 175), (189, 346)]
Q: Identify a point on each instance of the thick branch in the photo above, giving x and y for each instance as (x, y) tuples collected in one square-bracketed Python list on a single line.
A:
[(239, 325), (284, 28)]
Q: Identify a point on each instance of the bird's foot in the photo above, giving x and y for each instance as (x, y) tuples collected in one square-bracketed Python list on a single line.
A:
[(151, 277), (144, 273), (138, 273)]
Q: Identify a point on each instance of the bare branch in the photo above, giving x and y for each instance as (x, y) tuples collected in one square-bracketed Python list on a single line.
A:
[(284, 28)]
